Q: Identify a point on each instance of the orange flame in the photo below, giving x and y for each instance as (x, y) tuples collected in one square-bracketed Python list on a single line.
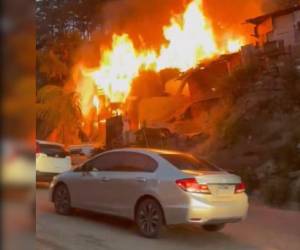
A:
[(96, 103), (234, 45), (189, 37)]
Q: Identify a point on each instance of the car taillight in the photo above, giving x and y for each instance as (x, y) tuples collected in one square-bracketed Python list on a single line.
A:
[(191, 185), (240, 188)]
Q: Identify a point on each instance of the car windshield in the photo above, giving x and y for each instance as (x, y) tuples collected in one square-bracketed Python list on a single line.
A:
[(188, 162)]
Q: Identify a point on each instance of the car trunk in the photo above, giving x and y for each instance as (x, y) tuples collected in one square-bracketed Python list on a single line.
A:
[(220, 184)]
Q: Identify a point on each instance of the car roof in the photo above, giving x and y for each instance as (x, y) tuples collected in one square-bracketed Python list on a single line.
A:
[(49, 143), (146, 150), (82, 146)]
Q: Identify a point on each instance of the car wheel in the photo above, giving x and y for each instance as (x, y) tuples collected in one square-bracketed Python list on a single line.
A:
[(149, 218), (213, 228), (62, 200)]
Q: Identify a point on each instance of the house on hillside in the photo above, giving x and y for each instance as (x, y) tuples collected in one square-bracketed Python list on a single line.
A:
[(278, 32)]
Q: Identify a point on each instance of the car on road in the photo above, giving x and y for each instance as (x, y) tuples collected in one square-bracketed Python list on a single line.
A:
[(82, 152), (153, 188), (51, 160), (83, 149)]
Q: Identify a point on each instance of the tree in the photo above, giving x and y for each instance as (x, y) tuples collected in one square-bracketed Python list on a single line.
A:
[(58, 113), (56, 59)]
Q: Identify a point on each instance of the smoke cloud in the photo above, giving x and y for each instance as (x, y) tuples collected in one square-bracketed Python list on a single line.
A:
[(144, 20)]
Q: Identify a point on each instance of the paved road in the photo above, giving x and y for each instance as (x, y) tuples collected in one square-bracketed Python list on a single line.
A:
[(265, 228)]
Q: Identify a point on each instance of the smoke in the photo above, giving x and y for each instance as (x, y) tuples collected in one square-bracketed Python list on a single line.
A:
[(271, 5), (142, 20), (229, 17)]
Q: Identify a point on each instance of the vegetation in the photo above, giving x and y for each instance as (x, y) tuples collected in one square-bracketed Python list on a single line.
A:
[(292, 83), (237, 84), (275, 190), (235, 130), (249, 178), (58, 113)]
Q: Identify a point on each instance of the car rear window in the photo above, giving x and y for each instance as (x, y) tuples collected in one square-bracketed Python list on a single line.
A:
[(189, 162), (53, 150)]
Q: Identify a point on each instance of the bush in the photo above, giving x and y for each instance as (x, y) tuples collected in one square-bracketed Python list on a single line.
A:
[(287, 157), (298, 194), (239, 82), (275, 191), (292, 83), (249, 178), (233, 131)]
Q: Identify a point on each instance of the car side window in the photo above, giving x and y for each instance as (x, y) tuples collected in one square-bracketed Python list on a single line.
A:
[(121, 162), (131, 162), (104, 162)]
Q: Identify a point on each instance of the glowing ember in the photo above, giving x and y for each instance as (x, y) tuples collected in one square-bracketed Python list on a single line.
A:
[(189, 39)]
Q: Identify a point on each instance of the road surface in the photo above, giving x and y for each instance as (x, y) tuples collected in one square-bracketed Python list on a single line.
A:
[(265, 228)]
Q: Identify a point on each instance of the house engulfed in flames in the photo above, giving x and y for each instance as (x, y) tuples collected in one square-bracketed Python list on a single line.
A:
[(105, 90)]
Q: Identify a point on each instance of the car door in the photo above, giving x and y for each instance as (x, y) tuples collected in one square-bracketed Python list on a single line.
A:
[(128, 178), (88, 184)]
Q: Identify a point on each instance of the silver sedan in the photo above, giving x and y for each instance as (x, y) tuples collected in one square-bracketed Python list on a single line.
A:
[(153, 188)]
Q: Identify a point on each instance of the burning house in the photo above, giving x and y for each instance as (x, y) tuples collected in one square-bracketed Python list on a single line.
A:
[(189, 39), (194, 97), (276, 34)]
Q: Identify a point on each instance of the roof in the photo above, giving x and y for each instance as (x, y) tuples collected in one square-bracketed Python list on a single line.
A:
[(260, 19), (141, 150)]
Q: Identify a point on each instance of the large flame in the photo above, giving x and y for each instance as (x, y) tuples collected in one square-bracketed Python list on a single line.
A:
[(189, 39)]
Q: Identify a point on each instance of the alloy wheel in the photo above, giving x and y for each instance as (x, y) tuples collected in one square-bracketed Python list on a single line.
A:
[(62, 200), (149, 218)]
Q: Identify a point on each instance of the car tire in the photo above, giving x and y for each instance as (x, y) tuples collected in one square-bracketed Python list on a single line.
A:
[(213, 228), (149, 218), (62, 201)]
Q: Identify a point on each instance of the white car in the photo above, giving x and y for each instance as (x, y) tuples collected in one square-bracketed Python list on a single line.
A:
[(80, 153), (51, 159), (153, 188), (84, 149)]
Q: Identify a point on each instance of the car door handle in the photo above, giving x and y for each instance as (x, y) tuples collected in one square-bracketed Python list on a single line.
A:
[(141, 179), (105, 179)]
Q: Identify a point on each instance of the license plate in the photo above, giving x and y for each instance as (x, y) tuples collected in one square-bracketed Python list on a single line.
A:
[(224, 189)]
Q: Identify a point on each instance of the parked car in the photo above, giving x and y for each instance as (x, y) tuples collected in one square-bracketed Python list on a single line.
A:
[(153, 188), (82, 149), (51, 159), (82, 152)]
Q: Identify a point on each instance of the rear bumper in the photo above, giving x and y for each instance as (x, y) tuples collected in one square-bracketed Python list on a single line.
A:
[(197, 211), (218, 213), (45, 176)]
